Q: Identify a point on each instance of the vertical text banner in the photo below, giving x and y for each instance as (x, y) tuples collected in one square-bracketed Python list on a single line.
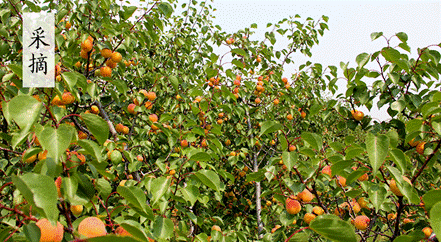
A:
[(38, 50)]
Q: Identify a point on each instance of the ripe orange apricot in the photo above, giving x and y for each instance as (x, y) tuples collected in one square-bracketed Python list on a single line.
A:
[(111, 64), (184, 143), (58, 185), (122, 232), (151, 96), (67, 98), (106, 53), (131, 108), (119, 128), (106, 71), (394, 188), (49, 232), (318, 210), (153, 117), (68, 25), (306, 196), (292, 206), (420, 147), (327, 170), (257, 100), (308, 217), (427, 231), (341, 181), (126, 130), (42, 155), (357, 115), (217, 228), (361, 222), (95, 109), (30, 159), (92, 227), (86, 45), (258, 59), (148, 105), (116, 57), (76, 209), (289, 117)]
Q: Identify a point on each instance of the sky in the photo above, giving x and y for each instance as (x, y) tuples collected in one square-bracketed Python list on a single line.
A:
[(350, 25)]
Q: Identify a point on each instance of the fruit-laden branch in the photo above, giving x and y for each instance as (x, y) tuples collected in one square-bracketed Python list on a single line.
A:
[(106, 117), (425, 163), (19, 212), (319, 201), (397, 221), (258, 187)]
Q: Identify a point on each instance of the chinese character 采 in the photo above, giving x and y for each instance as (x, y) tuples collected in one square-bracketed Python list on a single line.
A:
[(38, 38)]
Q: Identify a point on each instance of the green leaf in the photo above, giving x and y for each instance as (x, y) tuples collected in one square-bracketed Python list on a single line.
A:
[(398, 105), (414, 125), (113, 238), (431, 198), (209, 178), (70, 187), (239, 52), (128, 11), (134, 229), (40, 191), (190, 194), (314, 140), (175, 82), (404, 238), (362, 59), (333, 228), (23, 109), (377, 195), (377, 148), (376, 35), (32, 232), (56, 141), (159, 188), (166, 9), (353, 151), (85, 186), (404, 46), (399, 158), (402, 36), (97, 126), (283, 142), (103, 186), (435, 218), (269, 127), (17, 69), (92, 149), (289, 159), (409, 192), (256, 176), (163, 227), (201, 156), (390, 54), (270, 173), (136, 198), (120, 85)]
